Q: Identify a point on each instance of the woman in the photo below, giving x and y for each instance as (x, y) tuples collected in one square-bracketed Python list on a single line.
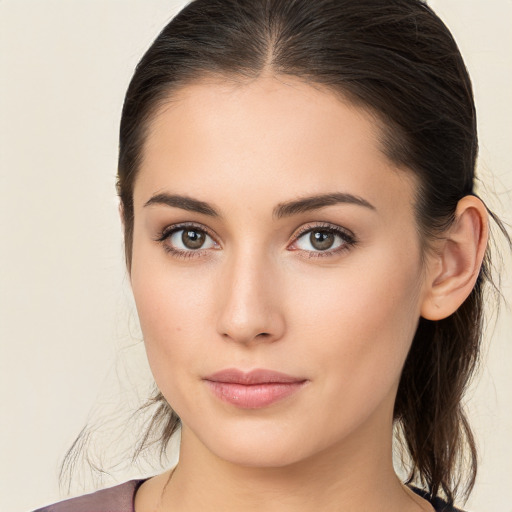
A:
[(307, 254)]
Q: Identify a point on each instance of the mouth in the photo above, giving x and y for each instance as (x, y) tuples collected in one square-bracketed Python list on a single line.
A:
[(255, 389)]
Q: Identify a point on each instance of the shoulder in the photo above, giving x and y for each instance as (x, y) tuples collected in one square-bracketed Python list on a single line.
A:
[(113, 499), (439, 504)]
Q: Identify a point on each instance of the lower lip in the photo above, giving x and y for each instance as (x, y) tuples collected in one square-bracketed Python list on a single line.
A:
[(253, 396)]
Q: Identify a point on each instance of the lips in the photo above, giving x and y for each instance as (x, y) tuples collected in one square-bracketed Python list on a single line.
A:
[(255, 389)]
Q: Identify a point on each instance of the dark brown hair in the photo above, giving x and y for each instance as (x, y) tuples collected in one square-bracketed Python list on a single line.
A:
[(397, 59)]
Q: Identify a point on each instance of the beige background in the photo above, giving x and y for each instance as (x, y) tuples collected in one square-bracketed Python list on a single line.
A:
[(69, 346)]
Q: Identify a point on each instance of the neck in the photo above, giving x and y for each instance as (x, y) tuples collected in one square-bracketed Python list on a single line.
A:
[(354, 475)]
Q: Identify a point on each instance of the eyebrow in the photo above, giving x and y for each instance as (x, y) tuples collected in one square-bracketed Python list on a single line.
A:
[(183, 202), (316, 202), (286, 209)]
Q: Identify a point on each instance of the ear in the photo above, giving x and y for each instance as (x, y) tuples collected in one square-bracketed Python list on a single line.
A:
[(456, 264), (123, 222), (121, 213)]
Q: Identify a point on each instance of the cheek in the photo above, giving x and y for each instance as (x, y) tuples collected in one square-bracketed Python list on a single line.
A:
[(170, 320), (363, 321), (169, 312), (171, 308)]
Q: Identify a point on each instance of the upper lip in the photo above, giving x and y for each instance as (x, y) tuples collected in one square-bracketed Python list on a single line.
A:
[(257, 376)]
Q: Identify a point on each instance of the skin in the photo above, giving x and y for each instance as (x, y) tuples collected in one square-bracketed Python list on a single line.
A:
[(255, 296)]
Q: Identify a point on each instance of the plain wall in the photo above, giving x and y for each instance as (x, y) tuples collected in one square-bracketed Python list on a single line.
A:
[(69, 342)]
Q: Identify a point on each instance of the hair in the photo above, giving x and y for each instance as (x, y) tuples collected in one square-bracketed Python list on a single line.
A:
[(396, 59)]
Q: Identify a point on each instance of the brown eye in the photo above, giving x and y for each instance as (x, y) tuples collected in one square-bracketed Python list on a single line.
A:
[(321, 240), (325, 241), (188, 239), (192, 238)]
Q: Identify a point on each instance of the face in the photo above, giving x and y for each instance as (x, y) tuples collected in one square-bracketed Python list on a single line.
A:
[(271, 233)]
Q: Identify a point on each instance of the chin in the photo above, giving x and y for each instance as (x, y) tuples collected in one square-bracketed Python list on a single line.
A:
[(261, 443), (259, 455)]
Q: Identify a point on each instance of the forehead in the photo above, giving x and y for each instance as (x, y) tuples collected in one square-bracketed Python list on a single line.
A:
[(273, 136)]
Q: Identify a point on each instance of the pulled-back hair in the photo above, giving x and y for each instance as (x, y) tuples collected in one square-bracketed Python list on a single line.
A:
[(398, 60)]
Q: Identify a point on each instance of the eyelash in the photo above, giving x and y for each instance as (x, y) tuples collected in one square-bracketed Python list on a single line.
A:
[(348, 238), (178, 253)]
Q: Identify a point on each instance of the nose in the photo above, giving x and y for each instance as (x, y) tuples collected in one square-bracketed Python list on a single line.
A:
[(250, 306)]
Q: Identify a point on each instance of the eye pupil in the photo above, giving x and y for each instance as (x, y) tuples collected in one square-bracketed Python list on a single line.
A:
[(321, 239), (192, 239)]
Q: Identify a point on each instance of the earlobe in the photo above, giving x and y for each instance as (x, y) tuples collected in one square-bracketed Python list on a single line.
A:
[(458, 260)]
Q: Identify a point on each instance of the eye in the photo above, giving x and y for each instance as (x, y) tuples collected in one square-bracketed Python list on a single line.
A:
[(323, 240), (189, 239), (186, 240)]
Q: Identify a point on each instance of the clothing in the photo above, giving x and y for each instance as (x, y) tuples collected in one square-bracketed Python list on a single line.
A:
[(120, 498)]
